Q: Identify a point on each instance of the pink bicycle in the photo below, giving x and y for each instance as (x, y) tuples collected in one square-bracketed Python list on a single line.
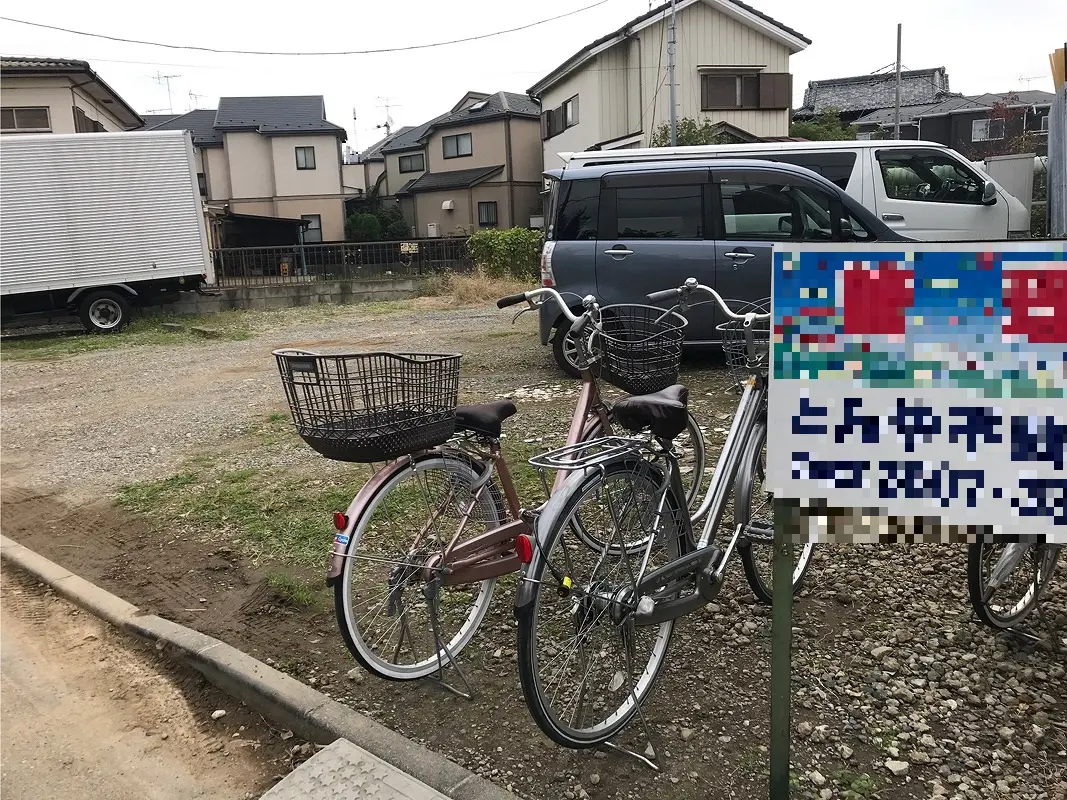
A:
[(418, 551)]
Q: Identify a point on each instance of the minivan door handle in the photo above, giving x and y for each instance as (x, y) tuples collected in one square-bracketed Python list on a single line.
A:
[(618, 251), (741, 256), (893, 217)]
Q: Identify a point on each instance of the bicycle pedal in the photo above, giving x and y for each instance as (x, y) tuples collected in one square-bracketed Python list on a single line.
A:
[(709, 579)]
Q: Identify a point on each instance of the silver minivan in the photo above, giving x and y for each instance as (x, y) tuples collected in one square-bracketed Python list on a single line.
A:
[(621, 231)]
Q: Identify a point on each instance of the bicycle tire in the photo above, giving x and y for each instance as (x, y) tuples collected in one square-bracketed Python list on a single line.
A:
[(490, 505), (696, 436), (537, 584), (749, 480), (981, 553)]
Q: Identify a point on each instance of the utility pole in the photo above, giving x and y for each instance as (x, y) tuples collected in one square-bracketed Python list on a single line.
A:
[(896, 112), (162, 79), (671, 41)]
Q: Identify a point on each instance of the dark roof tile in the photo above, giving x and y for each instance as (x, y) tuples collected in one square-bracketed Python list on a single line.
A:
[(276, 115), (199, 123), (457, 179)]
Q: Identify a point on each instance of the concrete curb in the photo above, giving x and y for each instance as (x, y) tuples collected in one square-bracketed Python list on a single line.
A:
[(288, 702)]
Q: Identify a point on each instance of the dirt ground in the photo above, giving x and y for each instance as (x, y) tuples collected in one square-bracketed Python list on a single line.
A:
[(972, 715), (90, 713)]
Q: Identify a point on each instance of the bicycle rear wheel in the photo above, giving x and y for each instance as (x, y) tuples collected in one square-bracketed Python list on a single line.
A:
[(1019, 595), (692, 457), (754, 511), (382, 604), (584, 666)]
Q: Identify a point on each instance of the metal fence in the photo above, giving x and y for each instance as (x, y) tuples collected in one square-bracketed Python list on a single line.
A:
[(338, 261)]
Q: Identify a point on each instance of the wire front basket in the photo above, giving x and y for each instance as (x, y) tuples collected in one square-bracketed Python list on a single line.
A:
[(640, 347), (367, 407), (747, 348)]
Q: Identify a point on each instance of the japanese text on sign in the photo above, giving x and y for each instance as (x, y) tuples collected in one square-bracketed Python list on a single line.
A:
[(927, 383)]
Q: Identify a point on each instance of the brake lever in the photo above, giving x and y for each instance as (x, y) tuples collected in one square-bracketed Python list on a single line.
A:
[(532, 307)]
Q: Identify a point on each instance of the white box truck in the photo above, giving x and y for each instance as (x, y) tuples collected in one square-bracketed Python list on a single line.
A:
[(95, 224)]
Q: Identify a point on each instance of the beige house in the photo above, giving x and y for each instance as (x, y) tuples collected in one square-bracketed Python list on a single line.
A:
[(476, 166), (56, 95), (271, 157), (731, 65)]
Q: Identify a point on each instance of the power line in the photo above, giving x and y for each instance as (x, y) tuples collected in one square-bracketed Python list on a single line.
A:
[(292, 53)]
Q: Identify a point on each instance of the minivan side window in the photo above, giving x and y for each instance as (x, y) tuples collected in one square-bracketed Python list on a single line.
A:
[(928, 177), (764, 210), (660, 212), (578, 207)]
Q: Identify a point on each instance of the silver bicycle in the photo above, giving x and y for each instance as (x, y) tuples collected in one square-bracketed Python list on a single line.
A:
[(1007, 580), (595, 622)]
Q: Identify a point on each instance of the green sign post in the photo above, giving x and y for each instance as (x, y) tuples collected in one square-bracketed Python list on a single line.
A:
[(786, 529)]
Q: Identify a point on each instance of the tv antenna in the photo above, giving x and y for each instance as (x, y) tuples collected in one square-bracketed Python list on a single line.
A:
[(388, 124), (355, 130), (162, 80), (194, 99), (1029, 79)]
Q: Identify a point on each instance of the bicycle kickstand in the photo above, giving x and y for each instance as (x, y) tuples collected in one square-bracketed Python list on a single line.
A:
[(429, 591)]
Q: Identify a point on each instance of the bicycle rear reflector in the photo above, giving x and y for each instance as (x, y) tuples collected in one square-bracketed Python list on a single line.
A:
[(340, 521), (524, 548)]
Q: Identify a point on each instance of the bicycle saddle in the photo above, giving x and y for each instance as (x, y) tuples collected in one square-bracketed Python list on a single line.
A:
[(664, 412), (485, 418)]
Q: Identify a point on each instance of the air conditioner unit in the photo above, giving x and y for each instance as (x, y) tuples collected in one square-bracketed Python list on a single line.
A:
[(431, 230), (448, 205)]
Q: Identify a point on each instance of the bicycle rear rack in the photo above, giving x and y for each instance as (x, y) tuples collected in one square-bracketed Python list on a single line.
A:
[(591, 453)]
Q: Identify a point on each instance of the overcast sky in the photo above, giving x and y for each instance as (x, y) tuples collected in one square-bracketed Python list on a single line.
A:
[(986, 45)]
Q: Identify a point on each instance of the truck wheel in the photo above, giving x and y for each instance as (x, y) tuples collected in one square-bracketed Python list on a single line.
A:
[(565, 351), (104, 311)]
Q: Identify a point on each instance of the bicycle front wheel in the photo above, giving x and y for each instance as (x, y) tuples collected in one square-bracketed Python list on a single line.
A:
[(393, 621), (584, 666), (754, 512), (1019, 595)]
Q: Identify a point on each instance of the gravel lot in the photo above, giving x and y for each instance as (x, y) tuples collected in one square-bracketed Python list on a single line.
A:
[(898, 693)]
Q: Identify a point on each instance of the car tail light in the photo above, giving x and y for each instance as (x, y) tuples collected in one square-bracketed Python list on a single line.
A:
[(547, 278), (340, 521), (524, 548)]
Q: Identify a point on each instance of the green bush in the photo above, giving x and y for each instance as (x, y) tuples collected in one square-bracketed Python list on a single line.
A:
[(363, 228), (512, 252)]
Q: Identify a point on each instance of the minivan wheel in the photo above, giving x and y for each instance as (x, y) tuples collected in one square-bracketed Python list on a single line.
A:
[(565, 351)]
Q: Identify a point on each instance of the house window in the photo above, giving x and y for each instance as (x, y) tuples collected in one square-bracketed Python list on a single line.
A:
[(763, 90), (313, 232), (1043, 127), (659, 212), (82, 123), (987, 130), (457, 146), (412, 163), (864, 136), (201, 181), (305, 158), (25, 120), (928, 177), (570, 113), (487, 215)]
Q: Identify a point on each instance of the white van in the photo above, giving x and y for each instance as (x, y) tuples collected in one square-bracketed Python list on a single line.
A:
[(922, 190)]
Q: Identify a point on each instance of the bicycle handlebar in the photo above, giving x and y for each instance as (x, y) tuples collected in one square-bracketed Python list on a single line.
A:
[(691, 285), (545, 291)]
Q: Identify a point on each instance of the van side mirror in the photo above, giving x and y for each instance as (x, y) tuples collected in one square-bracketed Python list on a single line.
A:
[(989, 194), (847, 231)]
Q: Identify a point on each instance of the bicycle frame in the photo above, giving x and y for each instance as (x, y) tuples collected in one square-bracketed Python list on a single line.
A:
[(486, 555)]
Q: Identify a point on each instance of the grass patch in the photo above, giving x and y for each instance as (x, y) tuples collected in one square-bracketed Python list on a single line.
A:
[(855, 786), (231, 325), (293, 591), (459, 289), (273, 514)]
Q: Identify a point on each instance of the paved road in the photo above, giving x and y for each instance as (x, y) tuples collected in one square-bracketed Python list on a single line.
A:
[(88, 715)]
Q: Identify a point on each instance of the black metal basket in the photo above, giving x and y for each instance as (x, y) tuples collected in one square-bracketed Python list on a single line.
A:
[(368, 407), (640, 347), (747, 348)]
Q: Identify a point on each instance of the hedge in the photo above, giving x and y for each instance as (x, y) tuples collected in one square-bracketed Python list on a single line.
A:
[(511, 252)]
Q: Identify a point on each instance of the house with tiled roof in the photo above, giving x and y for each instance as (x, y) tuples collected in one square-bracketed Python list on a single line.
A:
[(59, 95), (273, 157), (732, 66), (857, 96), (477, 165)]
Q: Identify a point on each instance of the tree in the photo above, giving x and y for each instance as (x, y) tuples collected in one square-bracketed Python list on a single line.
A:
[(391, 225), (363, 227), (826, 126), (690, 132), (1007, 121)]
